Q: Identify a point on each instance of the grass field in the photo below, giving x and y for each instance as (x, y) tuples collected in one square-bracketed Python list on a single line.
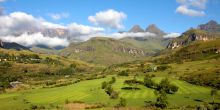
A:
[(90, 92)]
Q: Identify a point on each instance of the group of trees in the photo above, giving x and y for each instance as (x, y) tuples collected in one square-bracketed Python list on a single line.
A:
[(164, 85), (6, 78), (107, 86), (161, 89)]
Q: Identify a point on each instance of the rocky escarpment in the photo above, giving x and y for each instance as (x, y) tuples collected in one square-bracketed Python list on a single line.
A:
[(132, 51), (191, 36)]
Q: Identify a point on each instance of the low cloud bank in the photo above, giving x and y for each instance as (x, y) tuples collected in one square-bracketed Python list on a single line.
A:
[(36, 39)]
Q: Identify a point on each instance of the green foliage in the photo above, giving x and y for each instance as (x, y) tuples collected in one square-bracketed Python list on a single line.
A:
[(108, 88), (208, 77), (163, 67), (122, 102), (123, 73), (161, 100), (148, 82), (104, 85), (165, 86), (114, 95), (5, 64), (132, 82), (112, 80), (214, 92)]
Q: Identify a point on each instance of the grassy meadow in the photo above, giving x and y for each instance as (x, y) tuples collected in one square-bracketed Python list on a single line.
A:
[(90, 91)]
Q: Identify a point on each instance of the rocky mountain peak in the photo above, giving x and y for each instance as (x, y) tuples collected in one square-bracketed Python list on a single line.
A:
[(136, 28), (154, 29), (211, 26)]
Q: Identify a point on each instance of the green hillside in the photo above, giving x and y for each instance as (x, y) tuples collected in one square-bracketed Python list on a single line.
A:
[(150, 45), (105, 51), (198, 50)]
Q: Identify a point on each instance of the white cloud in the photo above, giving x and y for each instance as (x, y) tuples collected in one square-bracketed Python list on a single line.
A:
[(109, 18), (191, 7), (172, 35), (131, 34), (58, 16), (17, 24), (201, 4), (190, 12), (82, 32), (36, 39), (75, 29), (2, 0)]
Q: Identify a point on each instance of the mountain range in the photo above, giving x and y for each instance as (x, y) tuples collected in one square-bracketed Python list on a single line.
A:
[(108, 51)]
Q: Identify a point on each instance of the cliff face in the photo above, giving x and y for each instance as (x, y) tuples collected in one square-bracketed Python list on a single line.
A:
[(191, 36)]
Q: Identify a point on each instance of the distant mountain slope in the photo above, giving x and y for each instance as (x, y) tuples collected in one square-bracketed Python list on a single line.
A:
[(154, 29), (105, 51), (211, 26), (150, 44), (44, 50), (12, 45)]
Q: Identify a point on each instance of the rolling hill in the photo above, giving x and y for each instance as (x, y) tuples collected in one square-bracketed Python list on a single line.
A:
[(101, 50)]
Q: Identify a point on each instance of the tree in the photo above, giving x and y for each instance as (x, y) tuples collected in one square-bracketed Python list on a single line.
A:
[(214, 92), (148, 81), (104, 84), (164, 85), (112, 80), (161, 101), (173, 88), (109, 89)]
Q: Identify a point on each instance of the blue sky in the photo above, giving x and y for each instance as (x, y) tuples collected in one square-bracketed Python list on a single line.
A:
[(143, 12)]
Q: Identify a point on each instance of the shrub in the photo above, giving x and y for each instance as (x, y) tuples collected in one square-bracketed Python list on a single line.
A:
[(114, 95), (122, 103), (112, 80), (33, 107), (123, 73), (104, 84), (148, 81), (163, 67)]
